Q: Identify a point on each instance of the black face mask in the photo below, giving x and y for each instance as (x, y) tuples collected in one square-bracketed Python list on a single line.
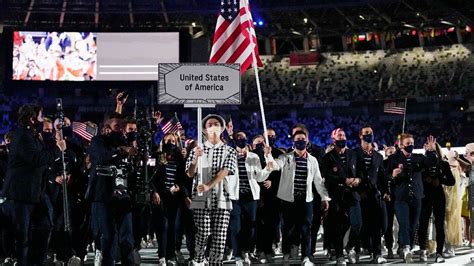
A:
[(271, 141), (300, 145), (369, 138), (241, 143), (116, 137), (259, 147), (341, 143), (409, 148), (67, 131), (169, 147), (47, 136), (131, 136)]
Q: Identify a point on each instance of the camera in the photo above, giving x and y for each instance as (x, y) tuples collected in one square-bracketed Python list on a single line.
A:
[(120, 171)]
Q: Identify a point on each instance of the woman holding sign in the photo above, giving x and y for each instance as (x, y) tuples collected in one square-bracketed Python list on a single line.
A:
[(211, 202)]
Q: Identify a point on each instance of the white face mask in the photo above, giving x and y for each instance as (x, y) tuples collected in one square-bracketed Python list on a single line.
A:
[(214, 130)]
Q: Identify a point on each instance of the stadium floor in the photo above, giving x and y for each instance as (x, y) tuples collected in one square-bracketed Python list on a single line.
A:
[(463, 257)]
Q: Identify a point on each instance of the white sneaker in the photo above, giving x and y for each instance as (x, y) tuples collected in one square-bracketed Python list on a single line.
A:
[(74, 261), (239, 262), (307, 262), (423, 256), (341, 261), (352, 256), (286, 258), (162, 262), (143, 244), (98, 258), (247, 260), (277, 248), (439, 258), (262, 258), (195, 263), (449, 253), (407, 255), (380, 260), (228, 254), (172, 263)]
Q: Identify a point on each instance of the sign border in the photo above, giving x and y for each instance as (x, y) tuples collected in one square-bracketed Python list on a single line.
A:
[(165, 68)]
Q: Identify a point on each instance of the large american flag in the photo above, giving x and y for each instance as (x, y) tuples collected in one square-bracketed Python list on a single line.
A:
[(232, 43), (85, 131), (394, 108), (173, 126)]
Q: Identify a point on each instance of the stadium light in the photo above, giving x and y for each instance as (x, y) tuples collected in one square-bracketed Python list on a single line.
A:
[(193, 24), (305, 20), (361, 17), (260, 23)]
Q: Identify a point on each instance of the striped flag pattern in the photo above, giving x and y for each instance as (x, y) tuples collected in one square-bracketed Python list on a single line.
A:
[(84, 131), (172, 126), (234, 28), (394, 108)]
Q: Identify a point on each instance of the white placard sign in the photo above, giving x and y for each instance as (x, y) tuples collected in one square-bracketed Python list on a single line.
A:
[(195, 83)]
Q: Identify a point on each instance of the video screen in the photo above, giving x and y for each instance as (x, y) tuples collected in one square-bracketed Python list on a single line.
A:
[(87, 56), (58, 56)]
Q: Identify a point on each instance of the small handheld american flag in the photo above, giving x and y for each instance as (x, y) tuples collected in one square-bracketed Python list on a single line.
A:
[(173, 126), (84, 131)]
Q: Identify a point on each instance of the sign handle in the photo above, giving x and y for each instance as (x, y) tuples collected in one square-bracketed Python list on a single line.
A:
[(199, 143)]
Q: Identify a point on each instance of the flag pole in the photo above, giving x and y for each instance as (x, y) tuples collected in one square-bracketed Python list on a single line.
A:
[(404, 116), (257, 79), (199, 143)]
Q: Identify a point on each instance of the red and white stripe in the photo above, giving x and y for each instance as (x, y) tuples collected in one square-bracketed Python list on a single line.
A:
[(232, 43), (81, 130)]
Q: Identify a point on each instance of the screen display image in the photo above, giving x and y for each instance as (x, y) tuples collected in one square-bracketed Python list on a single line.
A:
[(88, 56), (57, 56)]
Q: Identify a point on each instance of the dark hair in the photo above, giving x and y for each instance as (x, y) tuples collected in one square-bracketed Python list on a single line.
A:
[(302, 127), (26, 112), (111, 115), (299, 132), (364, 126), (237, 133), (129, 120)]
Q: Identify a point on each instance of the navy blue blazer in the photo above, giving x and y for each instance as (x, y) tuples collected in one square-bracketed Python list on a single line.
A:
[(401, 184), (28, 161)]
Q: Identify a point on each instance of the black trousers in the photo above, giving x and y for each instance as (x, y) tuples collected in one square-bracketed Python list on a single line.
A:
[(432, 204), (374, 224), (164, 217), (336, 225), (185, 226), (141, 214), (33, 229), (388, 236), (7, 230), (268, 223), (317, 212)]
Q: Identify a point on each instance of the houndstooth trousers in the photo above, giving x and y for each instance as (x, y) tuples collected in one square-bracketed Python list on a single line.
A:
[(213, 222)]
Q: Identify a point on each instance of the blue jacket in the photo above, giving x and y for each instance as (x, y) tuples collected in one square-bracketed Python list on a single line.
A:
[(28, 160), (102, 152), (401, 184)]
